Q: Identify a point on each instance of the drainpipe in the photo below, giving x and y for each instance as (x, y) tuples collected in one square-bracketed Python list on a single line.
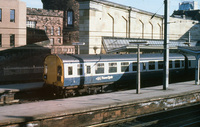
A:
[(129, 20)]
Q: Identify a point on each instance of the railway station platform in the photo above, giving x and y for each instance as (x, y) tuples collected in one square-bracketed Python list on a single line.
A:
[(96, 109), (7, 92)]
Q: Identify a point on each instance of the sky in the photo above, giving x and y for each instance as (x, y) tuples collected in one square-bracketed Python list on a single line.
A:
[(154, 6)]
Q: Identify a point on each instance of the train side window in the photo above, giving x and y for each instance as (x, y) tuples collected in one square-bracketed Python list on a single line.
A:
[(160, 65), (88, 69), (183, 63), (59, 73), (134, 65), (144, 66), (112, 67), (79, 69), (99, 68), (170, 64), (177, 64), (189, 63), (70, 70), (59, 70), (124, 67), (151, 65)]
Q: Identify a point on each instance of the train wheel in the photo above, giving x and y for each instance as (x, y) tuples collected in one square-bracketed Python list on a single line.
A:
[(64, 94)]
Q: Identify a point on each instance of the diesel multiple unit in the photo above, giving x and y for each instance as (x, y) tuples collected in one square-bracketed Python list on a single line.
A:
[(72, 74)]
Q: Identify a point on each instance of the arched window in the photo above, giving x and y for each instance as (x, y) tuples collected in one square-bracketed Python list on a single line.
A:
[(70, 17), (59, 30), (52, 30)]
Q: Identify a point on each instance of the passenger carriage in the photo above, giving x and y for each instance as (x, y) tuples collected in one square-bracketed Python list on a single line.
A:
[(91, 72)]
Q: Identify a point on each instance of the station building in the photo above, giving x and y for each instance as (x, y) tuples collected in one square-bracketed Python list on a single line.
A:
[(100, 19), (12, 24), (91, 22), (45, 28)]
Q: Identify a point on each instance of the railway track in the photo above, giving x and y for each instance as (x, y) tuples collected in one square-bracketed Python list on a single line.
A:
[(188, 116)]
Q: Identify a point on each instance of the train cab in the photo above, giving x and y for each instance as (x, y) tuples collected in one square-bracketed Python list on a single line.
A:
[(53, 71)]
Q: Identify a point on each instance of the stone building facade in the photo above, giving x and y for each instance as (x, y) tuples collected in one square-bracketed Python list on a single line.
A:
[(100, 19), (47, 25), (12, 24), (103, 18), (88, 21), (70, 10), (44, 25)]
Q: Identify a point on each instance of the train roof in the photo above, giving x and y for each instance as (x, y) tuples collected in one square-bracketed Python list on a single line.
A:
[(83, 58)]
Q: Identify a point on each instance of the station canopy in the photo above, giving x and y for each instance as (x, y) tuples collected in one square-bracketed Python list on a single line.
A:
[(195, 51), (114, 44)]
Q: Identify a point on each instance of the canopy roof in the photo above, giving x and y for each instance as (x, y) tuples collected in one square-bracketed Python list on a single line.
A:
[(113, 44)]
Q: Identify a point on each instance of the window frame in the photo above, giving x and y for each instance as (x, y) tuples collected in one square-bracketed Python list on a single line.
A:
[(70, 17), (182, 63), (79, 69), (100, 68), (160, 65), (52, 31), (189, 63), (0, 14), (70, 71), (152, 64), (134, 66), (59, 31), (144, 66), (12, 40), (124, 67), (112, 67), (170, 64), (177, 62), (0, 40), (88, 69), (12, 15), (31, 24)]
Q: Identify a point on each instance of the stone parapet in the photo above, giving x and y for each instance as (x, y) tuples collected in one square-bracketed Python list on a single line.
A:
[(44, 12)]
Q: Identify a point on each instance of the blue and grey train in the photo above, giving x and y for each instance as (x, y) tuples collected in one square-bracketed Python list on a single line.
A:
[(72, 74)]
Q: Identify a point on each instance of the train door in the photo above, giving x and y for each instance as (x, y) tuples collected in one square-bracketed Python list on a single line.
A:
[(70, 78), (88, 74), (50, 70)]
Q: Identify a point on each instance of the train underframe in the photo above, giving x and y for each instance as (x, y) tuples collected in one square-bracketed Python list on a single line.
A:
[(71, 91)]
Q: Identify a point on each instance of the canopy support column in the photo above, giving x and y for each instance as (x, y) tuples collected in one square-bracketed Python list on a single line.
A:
[(197, 71)]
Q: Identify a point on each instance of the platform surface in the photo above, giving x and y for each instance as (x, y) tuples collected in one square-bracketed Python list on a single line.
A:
[(59, 107)]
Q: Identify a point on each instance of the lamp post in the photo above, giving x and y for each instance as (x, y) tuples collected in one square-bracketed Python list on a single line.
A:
[(166, 47), (138, 86), (138, 70), (78, 45)]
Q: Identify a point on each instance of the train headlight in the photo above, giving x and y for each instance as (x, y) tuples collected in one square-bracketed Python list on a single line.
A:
[(45, 76)]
